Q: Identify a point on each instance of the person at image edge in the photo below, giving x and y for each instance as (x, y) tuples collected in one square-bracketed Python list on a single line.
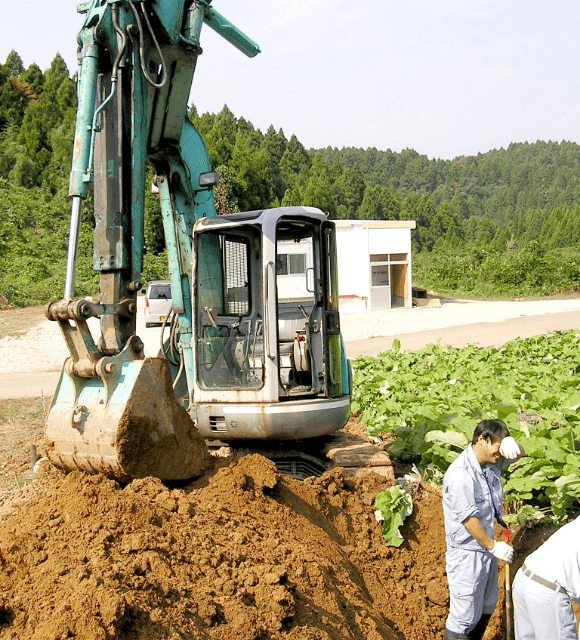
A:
[(472, 501), (544, 586)]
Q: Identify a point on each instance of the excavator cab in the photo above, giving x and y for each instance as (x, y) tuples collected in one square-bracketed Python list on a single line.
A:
[(269, 362)]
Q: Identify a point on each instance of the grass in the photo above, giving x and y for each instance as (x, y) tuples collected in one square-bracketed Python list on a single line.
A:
[(11, 413), (19, 480)]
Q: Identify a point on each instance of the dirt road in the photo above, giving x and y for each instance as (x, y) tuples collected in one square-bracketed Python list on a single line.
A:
[(485, 334), (30, 364)]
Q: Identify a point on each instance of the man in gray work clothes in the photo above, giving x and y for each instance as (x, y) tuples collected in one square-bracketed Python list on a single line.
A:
[(472, 500)]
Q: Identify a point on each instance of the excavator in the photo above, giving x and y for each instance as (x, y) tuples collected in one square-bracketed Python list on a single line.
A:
[(250, 356)]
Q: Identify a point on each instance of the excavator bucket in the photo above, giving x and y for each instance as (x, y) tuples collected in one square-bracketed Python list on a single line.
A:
[(126, 426)]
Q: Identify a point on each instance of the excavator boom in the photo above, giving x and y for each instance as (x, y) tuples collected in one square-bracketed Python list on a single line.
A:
[(114, 411)]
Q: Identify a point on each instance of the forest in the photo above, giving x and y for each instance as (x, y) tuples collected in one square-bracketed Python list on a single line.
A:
[(500, 224)]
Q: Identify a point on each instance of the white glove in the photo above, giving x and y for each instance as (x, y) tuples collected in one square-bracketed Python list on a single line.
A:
[(509, 448), (503, 551)]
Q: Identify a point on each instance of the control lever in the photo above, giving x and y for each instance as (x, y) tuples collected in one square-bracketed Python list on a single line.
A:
[(210, 313)]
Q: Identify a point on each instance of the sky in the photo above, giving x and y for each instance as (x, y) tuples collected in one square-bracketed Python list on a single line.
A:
[(447, 78)]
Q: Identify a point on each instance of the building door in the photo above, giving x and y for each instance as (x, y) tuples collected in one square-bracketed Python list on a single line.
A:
[(380, 283), (400, 289)]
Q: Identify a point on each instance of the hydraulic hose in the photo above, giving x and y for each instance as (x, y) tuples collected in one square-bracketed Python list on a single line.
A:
[(114, 77), (179, 372), (122, 35), (172, 346), (156, 85)]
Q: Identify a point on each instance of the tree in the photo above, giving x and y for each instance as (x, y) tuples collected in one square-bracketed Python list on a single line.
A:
[(221, 138), (349, 189), (13, 65), (379, 203), (295, 163), (57, 100), (154, 240), (317, 193), (33, 78), (224, 192), (13, 100), (250, 168), (274, 145), (292, 198)]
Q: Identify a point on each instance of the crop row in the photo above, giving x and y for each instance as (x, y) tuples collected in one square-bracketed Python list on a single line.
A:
[(430, 400)]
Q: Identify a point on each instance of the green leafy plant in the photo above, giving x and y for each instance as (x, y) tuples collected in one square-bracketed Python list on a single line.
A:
[(529, 515), (392, 506)]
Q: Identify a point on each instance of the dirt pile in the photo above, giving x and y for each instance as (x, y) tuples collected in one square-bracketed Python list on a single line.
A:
[(242, 553)]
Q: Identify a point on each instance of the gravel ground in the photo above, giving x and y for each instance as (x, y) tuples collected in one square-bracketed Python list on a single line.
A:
[(392, 322), (43, 348)]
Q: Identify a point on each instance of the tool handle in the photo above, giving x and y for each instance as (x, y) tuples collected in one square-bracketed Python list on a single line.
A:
[(509, 605)]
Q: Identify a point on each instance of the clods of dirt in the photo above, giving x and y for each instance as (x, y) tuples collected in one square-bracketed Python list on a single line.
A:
[(243, 553)]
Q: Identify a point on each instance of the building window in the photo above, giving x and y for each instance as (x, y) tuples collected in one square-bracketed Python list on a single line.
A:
[(380, 276), (388, 257), (289, 264)]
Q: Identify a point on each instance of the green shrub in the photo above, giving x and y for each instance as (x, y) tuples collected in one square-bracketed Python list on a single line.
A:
[(482, 273)]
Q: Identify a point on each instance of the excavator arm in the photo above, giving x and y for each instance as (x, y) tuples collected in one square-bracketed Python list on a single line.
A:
[(114, 411)]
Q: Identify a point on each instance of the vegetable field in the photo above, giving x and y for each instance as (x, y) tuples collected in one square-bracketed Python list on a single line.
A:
[(426, 404)]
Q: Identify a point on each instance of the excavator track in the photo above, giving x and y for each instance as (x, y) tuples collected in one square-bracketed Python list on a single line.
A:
[(306, 458)]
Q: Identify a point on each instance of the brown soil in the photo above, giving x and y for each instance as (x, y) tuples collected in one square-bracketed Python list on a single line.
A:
[(243, 553), (14, 322)]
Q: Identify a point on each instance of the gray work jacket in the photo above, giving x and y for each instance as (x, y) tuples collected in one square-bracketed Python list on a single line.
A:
[(469, 490)]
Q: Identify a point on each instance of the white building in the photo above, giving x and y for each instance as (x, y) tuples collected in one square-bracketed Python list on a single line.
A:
[(294, 261), (374, 264)]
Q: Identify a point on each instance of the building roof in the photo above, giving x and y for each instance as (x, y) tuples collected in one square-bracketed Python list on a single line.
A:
[(377, 224)]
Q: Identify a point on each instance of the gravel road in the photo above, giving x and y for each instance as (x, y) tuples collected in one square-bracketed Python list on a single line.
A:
[(43, 348)]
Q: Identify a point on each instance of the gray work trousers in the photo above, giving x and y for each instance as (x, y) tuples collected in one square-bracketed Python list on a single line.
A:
[(472, 581), (541, 613)]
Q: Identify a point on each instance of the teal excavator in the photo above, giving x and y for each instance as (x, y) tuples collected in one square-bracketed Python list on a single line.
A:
[(252, 354)]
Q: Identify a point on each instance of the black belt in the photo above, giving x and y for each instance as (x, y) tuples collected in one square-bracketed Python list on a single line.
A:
[(546, 583)]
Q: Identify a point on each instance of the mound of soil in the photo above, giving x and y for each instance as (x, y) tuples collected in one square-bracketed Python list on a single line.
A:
[(243, 553)]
